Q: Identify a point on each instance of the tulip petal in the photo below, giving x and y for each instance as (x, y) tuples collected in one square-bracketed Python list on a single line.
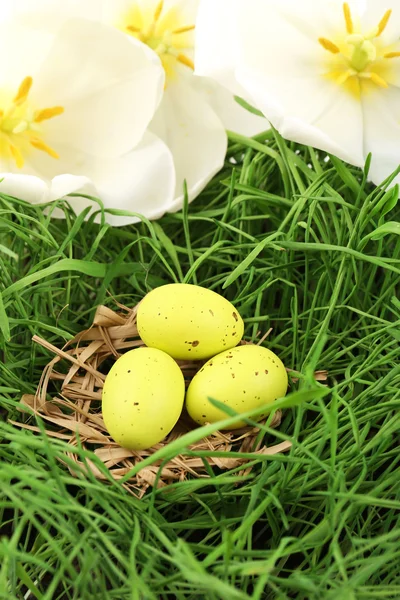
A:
[(62, 185), (110, 88), (49, 14), (143, 181), (233, 116), (310, 111), (25, 187), (217, 42), (193, 133), (22, 51), (382, 132)]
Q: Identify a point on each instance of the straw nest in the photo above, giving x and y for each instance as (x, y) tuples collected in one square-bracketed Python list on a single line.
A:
[(72, 405)]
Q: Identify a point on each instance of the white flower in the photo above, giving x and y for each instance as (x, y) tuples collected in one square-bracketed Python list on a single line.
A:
[(324, 72), (194, 112), (74, 110)]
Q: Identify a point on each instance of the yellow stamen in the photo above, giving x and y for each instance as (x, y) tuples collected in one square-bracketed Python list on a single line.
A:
[(17, 156), (378, 80), (139, 34), (22, 126), (23, 90), (158, 11), (40, 145), (328, 45), (383, 22), (183, 29), (347, 18), (391, 55), (47, 113), (185, 60), (1, 113)]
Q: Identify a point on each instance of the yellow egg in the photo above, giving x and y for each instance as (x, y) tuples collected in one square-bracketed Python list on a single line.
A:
[(142, 398), (188, 321), (243, 378)]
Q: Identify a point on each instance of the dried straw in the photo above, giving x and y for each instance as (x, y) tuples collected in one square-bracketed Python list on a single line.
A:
[(76, 409)]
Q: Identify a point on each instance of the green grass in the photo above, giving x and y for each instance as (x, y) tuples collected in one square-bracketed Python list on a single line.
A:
[(299, 244)]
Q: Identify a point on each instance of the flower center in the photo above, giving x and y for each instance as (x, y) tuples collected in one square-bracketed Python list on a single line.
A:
[(360, 56), (20, 126), (165, 32)]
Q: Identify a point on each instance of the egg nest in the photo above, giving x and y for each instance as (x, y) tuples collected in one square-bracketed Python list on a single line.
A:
[(75, 411)]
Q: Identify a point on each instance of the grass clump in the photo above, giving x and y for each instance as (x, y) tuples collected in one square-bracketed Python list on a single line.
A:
[(300, 244)]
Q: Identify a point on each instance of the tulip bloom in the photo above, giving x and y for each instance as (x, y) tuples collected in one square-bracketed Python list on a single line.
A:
[(194, 112), (324, 73), (74, 117)]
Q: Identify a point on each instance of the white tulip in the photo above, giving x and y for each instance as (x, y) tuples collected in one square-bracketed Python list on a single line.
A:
[(74, 111), (325, 73), (194, 112)]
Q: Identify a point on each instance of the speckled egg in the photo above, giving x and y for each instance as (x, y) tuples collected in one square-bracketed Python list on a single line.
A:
[(243, 378), (188, 321), (142, 398)]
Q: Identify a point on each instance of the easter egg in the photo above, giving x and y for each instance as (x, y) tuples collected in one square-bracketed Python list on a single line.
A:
[(243, 378), (142, 398), (188, 321)]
